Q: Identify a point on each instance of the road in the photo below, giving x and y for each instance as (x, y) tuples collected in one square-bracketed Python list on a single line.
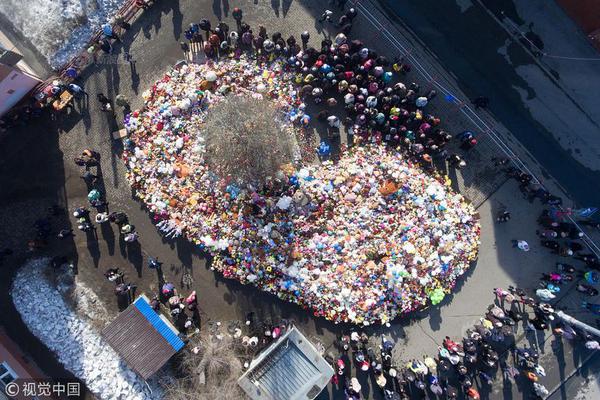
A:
[(543, 114)]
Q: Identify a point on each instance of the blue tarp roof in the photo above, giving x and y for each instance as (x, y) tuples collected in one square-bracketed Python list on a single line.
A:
[(171, 337)]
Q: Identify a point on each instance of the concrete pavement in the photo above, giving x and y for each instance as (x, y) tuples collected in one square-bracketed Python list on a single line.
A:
[(554, 120), (36, 169)]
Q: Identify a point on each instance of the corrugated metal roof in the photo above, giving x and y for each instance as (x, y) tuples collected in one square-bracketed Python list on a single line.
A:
[(286, 369), (290, 369), (134, 335), (167, 332)]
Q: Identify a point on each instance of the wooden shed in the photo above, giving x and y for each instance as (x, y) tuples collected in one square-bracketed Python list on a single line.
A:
[(145, 339)]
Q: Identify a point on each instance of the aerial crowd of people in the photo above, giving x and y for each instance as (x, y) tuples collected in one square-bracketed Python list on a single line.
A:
[(355, 88)]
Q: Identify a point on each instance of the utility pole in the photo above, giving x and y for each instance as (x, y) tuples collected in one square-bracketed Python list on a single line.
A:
[(572, 321)]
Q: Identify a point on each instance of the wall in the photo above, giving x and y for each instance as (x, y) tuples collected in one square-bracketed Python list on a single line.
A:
[(14, 84), (17, 360)]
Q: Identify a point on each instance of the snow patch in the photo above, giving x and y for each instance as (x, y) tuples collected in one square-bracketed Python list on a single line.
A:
[(77, 344), (59, 30)]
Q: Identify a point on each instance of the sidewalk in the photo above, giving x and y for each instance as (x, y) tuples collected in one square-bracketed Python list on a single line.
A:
[(569, 57), (586, 13), (460, 315)]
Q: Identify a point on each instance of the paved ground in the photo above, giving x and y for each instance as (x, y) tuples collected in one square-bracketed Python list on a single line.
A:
[(36, 170), (548, 104)]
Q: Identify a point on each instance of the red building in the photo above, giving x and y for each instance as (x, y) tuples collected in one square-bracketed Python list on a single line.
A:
[(15, 365)]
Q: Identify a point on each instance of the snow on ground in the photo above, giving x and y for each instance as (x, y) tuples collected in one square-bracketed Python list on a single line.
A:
[(83, 299), (59, 29), (73, 339), (590, 389)]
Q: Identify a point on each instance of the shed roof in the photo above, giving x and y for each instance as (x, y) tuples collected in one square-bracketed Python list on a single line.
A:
[(145, 339), (289, 369)]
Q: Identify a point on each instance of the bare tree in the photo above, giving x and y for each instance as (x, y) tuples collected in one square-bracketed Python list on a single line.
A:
[(210, 368), (247, 140)]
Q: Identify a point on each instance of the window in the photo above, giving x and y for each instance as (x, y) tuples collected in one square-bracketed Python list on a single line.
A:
[(7, 375)]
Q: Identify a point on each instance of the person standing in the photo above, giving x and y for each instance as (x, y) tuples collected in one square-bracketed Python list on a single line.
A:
[(89, 178), (503, 216), (104, 102), (108, 32), (77, 90), (122, 101), (521, 244), (326, 16), (105, 46)]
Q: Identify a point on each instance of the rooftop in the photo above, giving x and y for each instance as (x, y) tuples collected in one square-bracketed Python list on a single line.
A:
[(289, 369), (145, 339)]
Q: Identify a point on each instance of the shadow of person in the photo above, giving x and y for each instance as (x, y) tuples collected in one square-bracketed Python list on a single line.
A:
[(160, 276), (122, 246), (226, 8), (216, 6), (559, 352), (109, 237), (99, 184), (123, 301), (135, 77), (365, 382), (275, 6), (184, 251), (435, 318), (135, 257), (146, 31), (92, 245), (177, 19), (229, 296), (285, 7)]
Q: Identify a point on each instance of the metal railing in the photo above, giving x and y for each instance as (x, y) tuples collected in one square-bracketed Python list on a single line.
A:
[(128, 11)]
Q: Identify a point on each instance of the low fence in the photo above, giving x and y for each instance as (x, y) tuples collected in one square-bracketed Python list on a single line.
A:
[(128, 11)]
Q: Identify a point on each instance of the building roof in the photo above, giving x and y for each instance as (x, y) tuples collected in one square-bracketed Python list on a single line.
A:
[(145, 339), (289, 369)]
